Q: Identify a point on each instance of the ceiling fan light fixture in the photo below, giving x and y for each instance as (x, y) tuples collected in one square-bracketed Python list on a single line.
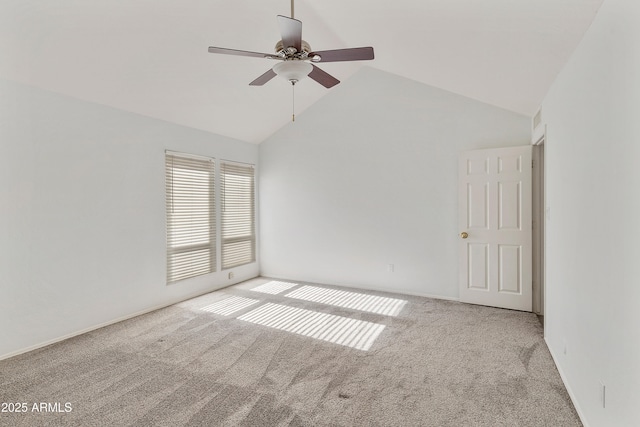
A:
[(293, 71)]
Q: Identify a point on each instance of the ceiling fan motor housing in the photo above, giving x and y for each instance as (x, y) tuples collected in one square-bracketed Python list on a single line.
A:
[(293, 68), (291, 51)]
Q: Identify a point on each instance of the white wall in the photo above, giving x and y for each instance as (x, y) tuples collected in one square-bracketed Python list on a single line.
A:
[(82, 215), (368, 177), (592, 114)]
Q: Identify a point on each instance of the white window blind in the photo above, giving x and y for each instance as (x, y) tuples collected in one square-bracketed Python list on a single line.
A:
[(238, 214), (191, 217)]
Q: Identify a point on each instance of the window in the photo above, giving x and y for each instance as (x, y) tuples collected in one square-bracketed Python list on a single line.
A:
[(238, 214), (191, 217)]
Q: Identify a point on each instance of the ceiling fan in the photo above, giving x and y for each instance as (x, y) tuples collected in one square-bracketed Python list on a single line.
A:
[(296, 57)]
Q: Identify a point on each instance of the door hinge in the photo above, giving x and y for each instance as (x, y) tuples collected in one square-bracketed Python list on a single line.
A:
[(533, 162)]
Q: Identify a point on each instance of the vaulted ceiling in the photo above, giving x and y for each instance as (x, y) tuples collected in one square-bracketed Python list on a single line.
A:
[(150, 56)]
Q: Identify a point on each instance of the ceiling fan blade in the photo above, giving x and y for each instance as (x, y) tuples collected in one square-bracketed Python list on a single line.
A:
[(291, 31), (263, 78), (213, 49), (336, 55), (325, 79)]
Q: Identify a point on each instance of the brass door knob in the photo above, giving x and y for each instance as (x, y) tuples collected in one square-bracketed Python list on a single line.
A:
[(464, 235)]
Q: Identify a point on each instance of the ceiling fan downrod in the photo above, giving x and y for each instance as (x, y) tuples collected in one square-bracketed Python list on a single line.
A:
[(292, 17)]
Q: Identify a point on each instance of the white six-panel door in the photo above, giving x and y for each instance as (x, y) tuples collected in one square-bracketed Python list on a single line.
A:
[(495, 227)]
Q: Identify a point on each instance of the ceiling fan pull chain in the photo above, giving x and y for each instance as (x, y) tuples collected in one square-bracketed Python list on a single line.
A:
[(293, 101)]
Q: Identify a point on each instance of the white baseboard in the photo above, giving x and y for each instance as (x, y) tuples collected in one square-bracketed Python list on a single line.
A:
[(400, 291), (119, 319), (567, 386)]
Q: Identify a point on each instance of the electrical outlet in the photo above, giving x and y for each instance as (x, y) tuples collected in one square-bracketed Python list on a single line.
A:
[(231, 275), (603, 394), (390, 268)]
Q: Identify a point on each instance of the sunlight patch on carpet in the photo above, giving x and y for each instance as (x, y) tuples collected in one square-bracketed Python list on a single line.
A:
[(363, 302), (229, 305), (274, 287), (353, 333)]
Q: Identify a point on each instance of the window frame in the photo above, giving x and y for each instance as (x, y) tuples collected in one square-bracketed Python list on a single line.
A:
[(196, 221), (230, 255)]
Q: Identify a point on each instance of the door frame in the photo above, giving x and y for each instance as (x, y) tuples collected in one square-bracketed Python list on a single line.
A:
[(539, 221)]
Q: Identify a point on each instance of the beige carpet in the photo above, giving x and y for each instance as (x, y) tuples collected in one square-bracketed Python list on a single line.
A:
[(269, 353)]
